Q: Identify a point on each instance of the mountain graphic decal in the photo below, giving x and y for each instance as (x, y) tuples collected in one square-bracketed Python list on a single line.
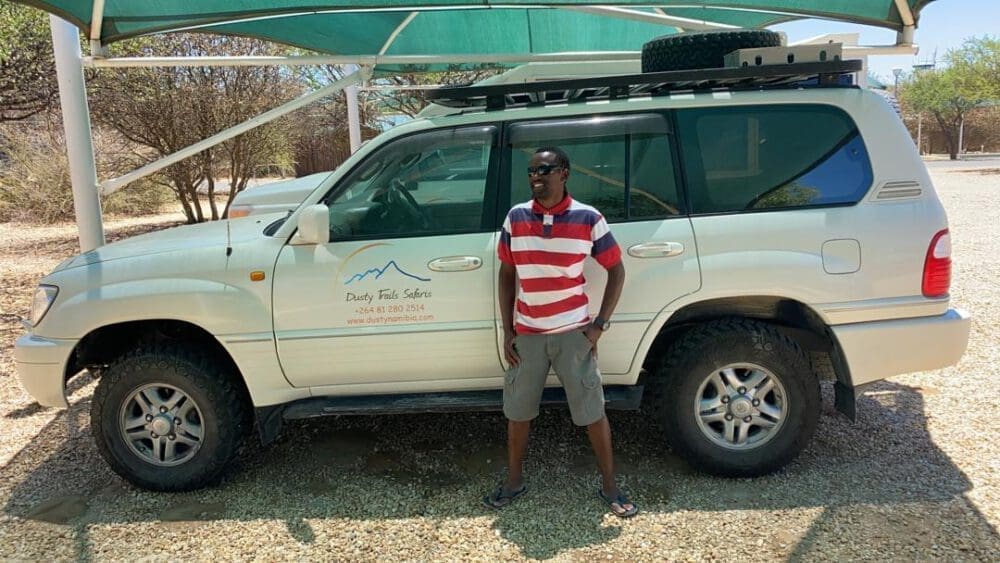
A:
[(378, 272)]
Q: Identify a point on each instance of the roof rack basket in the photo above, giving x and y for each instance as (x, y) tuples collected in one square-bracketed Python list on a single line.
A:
[(795, 75)]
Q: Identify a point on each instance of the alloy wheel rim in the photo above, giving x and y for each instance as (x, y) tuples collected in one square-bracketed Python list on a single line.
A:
[(741, 406), (161, 424)]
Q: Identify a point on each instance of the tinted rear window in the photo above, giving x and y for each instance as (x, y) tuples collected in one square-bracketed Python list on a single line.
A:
[(772, 157), (620, 164)]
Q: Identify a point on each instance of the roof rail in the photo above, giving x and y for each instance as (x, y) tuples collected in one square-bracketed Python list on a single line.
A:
[(812, 74)]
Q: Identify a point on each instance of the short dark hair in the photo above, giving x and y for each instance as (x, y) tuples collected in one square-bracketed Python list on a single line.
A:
[(562, 159)]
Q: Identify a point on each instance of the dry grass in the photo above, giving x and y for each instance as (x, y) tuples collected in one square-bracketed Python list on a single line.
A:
[(915, 478)]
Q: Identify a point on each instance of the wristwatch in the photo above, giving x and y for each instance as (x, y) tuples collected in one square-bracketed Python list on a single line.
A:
[(601, 324)]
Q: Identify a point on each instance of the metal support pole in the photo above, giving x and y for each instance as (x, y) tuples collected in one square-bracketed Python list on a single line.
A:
[(353, 115), (96, 24), (920, 131), (76, 124), (961, 137)]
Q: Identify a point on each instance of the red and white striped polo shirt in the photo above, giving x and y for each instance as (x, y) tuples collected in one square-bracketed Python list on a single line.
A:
[(547, 247)]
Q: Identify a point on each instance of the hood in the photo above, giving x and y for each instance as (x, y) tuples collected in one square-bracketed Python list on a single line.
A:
[(285, 191), (186, 237)]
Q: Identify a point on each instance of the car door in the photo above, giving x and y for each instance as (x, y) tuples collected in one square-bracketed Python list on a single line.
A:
[(402, 295), (623, 165)]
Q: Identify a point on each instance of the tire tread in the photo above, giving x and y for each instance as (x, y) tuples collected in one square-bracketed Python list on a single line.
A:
[(205, 371), (701, 49), (670, 373)]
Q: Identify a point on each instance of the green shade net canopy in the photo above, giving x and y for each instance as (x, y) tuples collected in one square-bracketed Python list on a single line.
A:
[(457, 27)]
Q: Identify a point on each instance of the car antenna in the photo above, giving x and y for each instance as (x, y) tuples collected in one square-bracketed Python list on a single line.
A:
[(229, 240)]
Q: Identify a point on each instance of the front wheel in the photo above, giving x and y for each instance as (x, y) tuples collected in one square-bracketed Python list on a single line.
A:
[(169, 418), (736, 398)]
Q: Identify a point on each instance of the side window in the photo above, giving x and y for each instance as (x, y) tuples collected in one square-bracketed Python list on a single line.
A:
[(428, 183), (772, 157), (622, 165)]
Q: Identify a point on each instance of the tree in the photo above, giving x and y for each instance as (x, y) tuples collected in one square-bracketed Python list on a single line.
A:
[(325, 143), (168, 109), (971, 78), (978, 63), (27, 66), (411, 101)]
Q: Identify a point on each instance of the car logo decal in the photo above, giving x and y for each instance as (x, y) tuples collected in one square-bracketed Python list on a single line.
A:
[(380, 271)]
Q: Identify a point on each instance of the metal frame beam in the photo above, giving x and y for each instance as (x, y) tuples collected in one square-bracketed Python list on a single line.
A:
[(905, 37), (96, 22), (361, 60), (905, 13), (395, 33), (373, 60), (904, 10), (658, 18)]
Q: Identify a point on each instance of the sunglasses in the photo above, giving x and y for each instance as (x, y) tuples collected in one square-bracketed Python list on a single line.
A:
[(543, 170)]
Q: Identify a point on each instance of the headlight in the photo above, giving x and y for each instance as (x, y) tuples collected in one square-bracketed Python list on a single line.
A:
[(44, 296)]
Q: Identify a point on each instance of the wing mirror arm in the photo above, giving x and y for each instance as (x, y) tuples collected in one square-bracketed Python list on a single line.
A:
[(314, 225)]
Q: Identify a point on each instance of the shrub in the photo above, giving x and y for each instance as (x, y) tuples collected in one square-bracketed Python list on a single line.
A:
[(34, 176)]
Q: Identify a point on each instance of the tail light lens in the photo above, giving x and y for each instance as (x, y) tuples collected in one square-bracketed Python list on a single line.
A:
[(937, 266)]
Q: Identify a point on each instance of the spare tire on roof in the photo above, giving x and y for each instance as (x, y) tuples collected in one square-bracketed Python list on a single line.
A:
[(701, 49)]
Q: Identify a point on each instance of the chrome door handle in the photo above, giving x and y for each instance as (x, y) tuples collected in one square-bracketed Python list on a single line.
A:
[(455, 264), (656, 250)]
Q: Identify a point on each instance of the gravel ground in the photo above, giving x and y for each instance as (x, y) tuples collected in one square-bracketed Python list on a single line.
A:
[(915, 478)]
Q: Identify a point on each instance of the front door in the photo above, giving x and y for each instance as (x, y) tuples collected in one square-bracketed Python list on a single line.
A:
[(402, 296)]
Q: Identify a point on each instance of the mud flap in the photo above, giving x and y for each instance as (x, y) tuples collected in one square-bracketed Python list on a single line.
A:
[(269, 422), (845, 399)]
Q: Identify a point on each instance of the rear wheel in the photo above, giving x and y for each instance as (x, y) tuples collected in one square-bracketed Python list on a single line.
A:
[(168, 418), (736, 398)]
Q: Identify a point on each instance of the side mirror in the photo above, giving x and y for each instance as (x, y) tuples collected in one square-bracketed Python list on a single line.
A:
[(314, 224)]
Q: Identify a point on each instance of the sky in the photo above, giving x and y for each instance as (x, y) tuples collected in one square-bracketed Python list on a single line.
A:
[(943, 25)]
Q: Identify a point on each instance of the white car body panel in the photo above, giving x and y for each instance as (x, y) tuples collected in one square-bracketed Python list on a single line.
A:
[(276, 197), (360, 312), (187, 274)]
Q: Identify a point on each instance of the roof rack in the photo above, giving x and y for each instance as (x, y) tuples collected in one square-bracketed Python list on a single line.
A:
[(819, 74)]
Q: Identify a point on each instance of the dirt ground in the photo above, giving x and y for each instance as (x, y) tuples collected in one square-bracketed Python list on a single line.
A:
[(916, 477)]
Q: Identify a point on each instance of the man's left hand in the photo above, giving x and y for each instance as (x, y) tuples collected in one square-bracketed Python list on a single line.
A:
[(593, 334)]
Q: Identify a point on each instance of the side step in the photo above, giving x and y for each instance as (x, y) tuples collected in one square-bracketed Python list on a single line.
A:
[(616, 397)]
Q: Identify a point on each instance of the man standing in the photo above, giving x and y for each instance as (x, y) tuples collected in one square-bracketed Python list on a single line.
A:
[(542, 249)]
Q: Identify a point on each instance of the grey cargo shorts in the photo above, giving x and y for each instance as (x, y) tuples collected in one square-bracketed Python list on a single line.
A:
[(570, 355)]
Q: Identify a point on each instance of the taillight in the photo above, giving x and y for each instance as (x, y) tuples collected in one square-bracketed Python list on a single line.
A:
[(937, 266)]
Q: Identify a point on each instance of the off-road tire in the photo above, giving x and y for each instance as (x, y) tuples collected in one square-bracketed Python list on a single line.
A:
[(705, 349), (227, 416), (701, 49)]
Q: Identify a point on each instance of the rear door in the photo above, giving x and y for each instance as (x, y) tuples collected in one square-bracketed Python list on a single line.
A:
[(623, 165), (772, 193)]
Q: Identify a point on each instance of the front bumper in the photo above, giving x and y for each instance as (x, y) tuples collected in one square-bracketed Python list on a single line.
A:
[(880, 349), (41, 367)]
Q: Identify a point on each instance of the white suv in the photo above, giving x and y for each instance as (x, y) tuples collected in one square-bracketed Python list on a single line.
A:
[(772, 238)]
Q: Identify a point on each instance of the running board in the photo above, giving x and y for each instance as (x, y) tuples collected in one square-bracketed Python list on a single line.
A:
[(616, 397)]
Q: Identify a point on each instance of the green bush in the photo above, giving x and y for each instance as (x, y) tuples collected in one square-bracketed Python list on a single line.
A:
[(35, 185)]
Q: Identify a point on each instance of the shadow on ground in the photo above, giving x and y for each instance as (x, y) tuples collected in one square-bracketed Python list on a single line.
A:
[(437, 467)]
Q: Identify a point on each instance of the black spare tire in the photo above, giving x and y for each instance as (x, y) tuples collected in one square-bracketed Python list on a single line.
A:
[(701, 49)]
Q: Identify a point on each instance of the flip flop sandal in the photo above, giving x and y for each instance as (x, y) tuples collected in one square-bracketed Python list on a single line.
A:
[(621, 500), (501, 498)]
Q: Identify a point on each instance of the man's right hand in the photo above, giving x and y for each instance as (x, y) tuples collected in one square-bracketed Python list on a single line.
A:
[(508, 348)]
